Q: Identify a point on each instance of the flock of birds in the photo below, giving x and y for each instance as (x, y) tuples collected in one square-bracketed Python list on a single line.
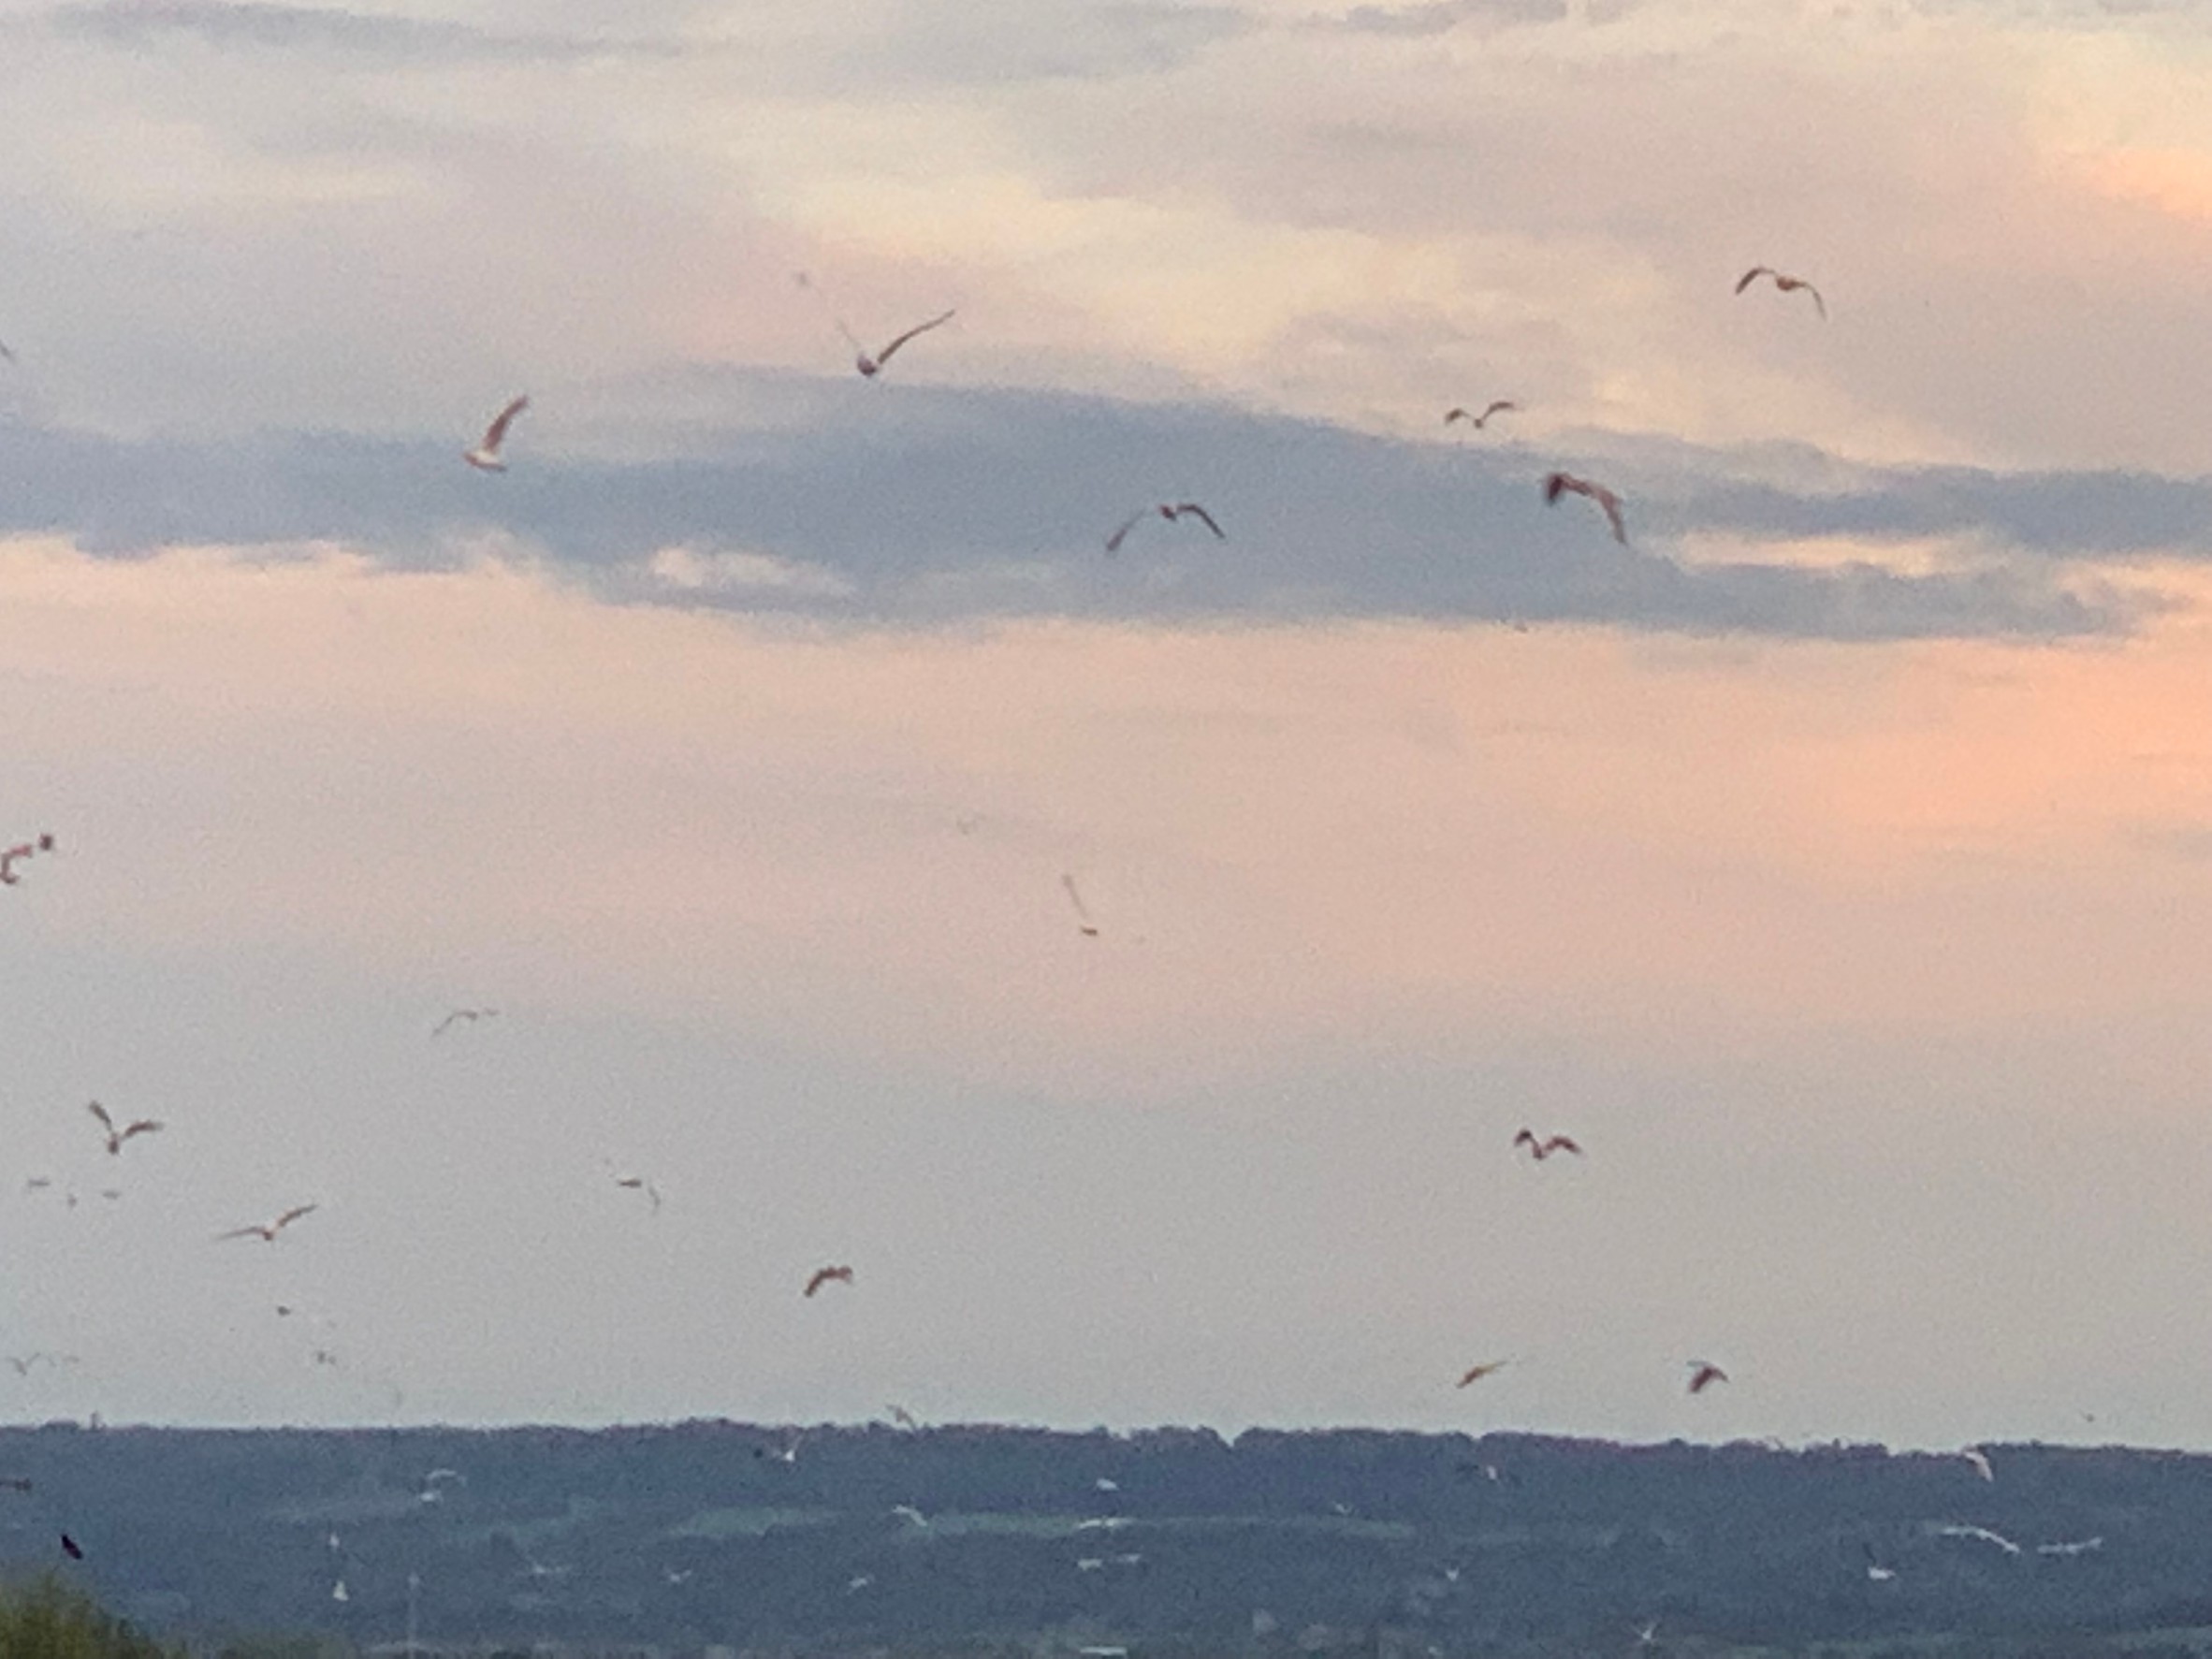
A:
[(489, 455)]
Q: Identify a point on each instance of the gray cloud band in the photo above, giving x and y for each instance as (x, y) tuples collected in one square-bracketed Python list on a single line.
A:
[(978, 504)]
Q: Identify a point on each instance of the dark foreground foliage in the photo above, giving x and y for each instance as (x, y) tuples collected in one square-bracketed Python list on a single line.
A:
[(46, 1620)]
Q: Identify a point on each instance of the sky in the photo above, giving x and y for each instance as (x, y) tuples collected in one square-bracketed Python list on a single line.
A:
[(1832, 858)]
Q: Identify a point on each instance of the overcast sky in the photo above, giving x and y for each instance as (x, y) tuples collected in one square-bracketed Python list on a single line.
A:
[(1833, 859)]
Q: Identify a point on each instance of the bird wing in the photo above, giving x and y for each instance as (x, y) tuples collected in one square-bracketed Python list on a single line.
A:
[(884, 356), (1526, 1138), (1498, 407), (496, 433), (1455, 413), (1751, 276), (1074, 897), (243, 1233), (1819, 304), (144, 1126), (822, 1276), (1564, 1143), (1203, 516), (289, 1217), (1476, 1373), (100, 1112), (1558, 483), (1114, 541), (1611, 504)]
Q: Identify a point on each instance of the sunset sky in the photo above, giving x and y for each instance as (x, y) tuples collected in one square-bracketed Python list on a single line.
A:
[(1833, 860)]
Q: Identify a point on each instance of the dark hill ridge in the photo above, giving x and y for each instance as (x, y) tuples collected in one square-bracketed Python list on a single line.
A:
[(851, 1539)]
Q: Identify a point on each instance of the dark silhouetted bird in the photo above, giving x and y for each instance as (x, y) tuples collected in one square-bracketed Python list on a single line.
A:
[(824, 1275), (1558, 484), (1788, 284), (1497, 406), (1171, 511), (267, 1231), (115, 1137)]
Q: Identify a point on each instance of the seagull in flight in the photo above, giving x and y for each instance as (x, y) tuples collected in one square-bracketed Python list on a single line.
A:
[(1559, 483), (1980, 1460), (21, 1363), (639, 1183), (2077, 1546), (871, 366), (903, 1418), (908, 1512), (824, 1275), (1956, 1530), (1171, 511), (1703, 1374), (1497, 406), (1787, 285), (267, 1231), (484, 457), (1084, 925), (22, 850), (459, 1015), (115, 1137), (1476, 1373), (1542, 1149), (1876, 1572)]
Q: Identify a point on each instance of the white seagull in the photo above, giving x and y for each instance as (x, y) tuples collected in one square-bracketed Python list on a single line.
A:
[(1980, 1460), (484, 457), (1959, 1530), (871, 364)]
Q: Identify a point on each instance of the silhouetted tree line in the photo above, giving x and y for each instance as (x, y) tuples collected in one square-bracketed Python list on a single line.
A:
[(1175, 1542)]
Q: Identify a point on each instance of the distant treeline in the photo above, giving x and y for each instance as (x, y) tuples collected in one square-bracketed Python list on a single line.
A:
[(968, 1539)]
